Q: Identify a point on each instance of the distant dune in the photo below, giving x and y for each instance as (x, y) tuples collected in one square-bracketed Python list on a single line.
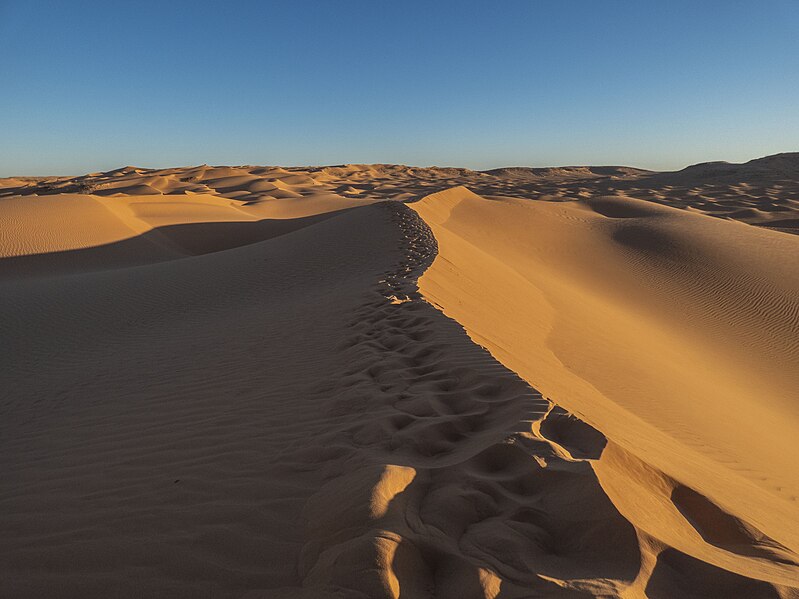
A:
[(364, 381)]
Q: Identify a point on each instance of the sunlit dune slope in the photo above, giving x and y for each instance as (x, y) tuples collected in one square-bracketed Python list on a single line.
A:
[(674, 334)]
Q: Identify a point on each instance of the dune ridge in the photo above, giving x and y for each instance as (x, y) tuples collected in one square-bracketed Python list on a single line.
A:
[(389, 381)]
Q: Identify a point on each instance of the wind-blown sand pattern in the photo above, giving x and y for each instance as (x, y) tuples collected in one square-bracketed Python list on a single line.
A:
[(383, 381)]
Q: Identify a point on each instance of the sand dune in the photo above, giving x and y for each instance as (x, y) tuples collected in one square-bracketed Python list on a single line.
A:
[(272, 382), (646, 320)]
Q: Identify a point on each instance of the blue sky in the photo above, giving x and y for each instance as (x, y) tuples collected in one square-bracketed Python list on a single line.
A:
[(92, 86)]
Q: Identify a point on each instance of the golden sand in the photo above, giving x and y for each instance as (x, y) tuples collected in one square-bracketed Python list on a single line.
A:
[(386, 381)]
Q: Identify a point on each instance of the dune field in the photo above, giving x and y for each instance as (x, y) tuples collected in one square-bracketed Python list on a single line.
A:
[(381, 381)]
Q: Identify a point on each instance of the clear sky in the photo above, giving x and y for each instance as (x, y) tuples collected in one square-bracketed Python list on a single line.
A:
[(90, 86)]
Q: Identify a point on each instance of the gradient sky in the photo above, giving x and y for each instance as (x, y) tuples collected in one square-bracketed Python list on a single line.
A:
[(90, 86)]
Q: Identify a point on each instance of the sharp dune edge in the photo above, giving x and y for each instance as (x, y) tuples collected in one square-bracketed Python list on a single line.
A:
[(385, 381)]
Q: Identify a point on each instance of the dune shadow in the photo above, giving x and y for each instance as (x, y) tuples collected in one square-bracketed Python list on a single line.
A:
[(161, 244), (679, 575), (724, 530)]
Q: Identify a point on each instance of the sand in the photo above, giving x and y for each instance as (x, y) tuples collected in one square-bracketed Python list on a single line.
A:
[(383, 381)]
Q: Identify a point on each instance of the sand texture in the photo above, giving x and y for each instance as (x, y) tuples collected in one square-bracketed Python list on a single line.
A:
[(380, 381)]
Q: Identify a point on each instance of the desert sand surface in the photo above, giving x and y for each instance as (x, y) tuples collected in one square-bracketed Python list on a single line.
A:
[(368, 381)]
